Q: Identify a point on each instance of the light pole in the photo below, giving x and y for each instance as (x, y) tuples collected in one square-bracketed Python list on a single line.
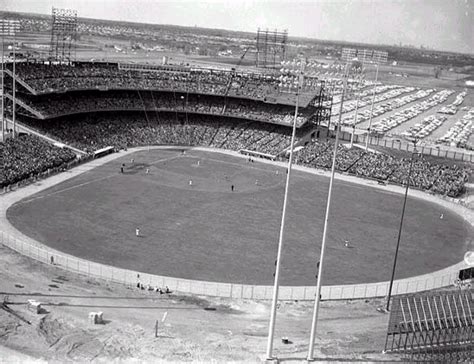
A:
[(326, 221), (8, 27), (3, 82), (271, 327), (14, 87), (401, 225)]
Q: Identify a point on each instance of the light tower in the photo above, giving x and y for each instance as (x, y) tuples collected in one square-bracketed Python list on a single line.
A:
[(63, 35)]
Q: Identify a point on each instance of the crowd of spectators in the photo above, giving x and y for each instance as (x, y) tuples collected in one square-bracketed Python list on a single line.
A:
[(54, 105), (426, 175), (27, 156), (190, 110), (44, 78), (92, 132), (122, 130)]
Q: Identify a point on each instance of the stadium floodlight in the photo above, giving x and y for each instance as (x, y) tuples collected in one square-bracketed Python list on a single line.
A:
[(291, 76), (63, 34), (401, 223), (270, 47), (330, 73), (8, 27), (348, 54), (271, 327), (351, 68), (325, 72), (295, 76)]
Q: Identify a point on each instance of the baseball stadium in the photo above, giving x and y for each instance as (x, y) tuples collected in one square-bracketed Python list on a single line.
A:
[(171, 179), (185, 209)]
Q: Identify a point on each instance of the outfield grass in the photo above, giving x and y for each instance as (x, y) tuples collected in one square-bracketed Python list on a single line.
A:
[(207, 232)]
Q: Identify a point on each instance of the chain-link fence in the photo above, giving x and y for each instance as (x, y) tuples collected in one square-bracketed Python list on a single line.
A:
[(435, 151), (40, 253)]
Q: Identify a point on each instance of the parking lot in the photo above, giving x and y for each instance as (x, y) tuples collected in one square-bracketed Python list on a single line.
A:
[(437, 116)]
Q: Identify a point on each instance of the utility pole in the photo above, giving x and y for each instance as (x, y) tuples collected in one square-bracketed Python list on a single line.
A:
[(14, 86)]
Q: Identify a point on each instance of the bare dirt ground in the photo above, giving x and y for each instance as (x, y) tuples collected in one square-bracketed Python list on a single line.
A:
[(195, 329)]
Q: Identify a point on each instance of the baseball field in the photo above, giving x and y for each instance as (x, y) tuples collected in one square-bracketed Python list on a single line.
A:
[(193, 225)]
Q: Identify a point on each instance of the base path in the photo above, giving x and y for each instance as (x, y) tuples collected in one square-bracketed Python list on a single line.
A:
[(19, 242)]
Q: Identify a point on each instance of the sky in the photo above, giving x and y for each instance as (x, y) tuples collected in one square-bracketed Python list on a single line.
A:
[(438, 24)]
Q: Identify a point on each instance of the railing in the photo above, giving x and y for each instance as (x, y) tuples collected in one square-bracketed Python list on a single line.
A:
[(128, 277), (437, 151)]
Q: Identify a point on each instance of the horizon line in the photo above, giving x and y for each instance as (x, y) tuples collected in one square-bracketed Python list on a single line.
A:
[(471, 54)]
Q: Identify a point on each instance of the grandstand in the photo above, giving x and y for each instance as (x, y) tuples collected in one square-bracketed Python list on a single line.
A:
[(95, 105)]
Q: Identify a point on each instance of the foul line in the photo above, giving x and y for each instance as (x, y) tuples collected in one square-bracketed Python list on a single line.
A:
[(84, 183)]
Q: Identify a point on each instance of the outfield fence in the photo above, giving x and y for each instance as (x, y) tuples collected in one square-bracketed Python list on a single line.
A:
[(440, 151), (37, 251)]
